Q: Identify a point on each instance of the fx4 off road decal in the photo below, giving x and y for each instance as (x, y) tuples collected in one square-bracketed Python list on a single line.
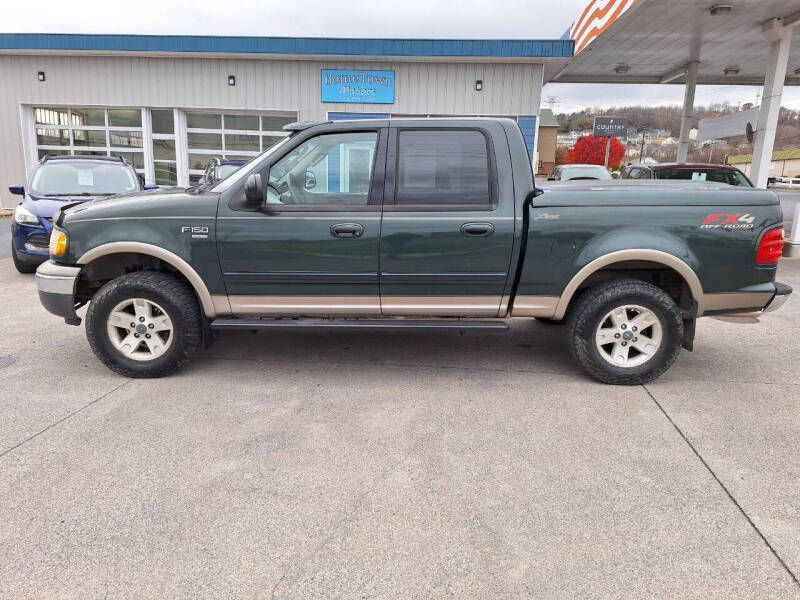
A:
[(728, 221)]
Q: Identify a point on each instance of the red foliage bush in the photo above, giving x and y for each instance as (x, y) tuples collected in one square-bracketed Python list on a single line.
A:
[(591, 150)]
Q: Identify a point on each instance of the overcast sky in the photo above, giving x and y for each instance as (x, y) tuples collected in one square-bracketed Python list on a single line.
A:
[(512, 19)]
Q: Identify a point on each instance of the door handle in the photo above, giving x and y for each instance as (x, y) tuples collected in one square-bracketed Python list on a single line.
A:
[(347, 230), (477, 229)]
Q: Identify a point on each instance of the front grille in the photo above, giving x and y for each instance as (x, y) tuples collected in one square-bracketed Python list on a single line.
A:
[(40, 241)]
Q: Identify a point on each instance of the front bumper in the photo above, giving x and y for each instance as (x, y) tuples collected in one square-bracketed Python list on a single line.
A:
[(30, 242), (56, 285)]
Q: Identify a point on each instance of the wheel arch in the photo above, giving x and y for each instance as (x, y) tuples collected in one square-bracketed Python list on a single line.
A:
[(156, 252), (658, 257)]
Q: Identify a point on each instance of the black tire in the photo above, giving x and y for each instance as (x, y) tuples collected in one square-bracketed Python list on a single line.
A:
[(168, 291), (589, 313), (22, 266)]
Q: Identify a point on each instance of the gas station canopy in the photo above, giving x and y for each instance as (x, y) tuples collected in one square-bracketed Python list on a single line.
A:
[(652, 41)]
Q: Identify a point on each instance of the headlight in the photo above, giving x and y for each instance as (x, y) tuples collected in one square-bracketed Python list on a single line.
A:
[(23, 215), (58, 242)]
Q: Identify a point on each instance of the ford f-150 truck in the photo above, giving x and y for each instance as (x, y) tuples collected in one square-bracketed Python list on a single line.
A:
[(412, 223)]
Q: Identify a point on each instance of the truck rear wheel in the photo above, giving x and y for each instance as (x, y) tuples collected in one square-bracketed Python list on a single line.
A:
[(625, 332), (144, 324)]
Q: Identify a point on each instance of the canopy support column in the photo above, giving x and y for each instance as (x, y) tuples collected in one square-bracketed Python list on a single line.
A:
[(688, 110), (780, 36)]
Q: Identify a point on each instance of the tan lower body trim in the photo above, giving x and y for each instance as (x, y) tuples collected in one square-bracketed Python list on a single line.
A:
[(712, 302), (441, 306), (535, 306), (221, 305), (305, 305), (355, 306)]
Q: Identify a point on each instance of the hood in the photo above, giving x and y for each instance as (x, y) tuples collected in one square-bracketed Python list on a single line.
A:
[(46, 206), (150, 203)]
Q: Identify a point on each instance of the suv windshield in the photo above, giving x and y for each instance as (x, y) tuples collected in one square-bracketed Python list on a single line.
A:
[(83, 178), (588, 172), (729, 176), (224, 170)]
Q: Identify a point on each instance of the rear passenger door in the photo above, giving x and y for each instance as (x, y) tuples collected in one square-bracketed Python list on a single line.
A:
[(447, 224)]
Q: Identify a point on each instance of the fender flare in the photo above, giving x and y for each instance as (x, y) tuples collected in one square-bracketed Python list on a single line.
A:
[(656, 256), (175, 261)]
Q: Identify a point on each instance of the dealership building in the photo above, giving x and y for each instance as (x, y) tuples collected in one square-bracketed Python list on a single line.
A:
[(169, 104)]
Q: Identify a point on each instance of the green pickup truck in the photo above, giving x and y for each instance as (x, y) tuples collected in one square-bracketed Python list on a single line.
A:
[(412, 223)]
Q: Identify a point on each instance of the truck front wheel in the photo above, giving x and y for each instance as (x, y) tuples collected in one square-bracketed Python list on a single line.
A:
[(625, 332), (144, 324)]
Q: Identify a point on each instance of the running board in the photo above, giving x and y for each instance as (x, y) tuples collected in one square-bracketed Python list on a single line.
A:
[(456, 324)]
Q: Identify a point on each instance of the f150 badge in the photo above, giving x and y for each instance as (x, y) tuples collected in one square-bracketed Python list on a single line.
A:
[(196, 231), (728, 221)]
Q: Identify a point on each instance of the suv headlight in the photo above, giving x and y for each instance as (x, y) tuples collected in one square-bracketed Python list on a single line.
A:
[(24, 216), (58, 242)]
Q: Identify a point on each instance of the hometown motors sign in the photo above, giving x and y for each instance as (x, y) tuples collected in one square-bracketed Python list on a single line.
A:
[(610, 127), (362, 87)]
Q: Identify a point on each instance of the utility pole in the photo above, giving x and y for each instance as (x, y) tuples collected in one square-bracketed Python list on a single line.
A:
[(641, 150)]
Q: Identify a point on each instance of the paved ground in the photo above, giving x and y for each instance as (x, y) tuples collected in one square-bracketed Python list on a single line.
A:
[(5, 236), (405, 465)]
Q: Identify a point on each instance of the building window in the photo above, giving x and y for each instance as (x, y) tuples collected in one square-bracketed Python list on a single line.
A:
[(92, 131), (230, 136), (165, 164)]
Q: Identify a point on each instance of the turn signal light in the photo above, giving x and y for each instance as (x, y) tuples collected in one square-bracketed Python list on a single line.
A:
[(58, 242), (771, 247)]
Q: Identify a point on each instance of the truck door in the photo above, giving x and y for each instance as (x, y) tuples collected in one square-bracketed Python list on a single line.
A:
[(312, 249), (448, 222)]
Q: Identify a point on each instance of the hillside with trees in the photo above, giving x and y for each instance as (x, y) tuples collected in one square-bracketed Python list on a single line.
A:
[(668, 118)]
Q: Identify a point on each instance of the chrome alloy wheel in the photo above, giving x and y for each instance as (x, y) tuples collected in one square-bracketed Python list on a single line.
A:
[(629, 335), (140, 329)]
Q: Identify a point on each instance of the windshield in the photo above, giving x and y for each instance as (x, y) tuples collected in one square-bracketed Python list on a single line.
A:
[(588, 172), (83, 179), (729, 176), (224, 170)]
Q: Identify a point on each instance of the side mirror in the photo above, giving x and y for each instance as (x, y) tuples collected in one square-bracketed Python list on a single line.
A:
[(551, 178), (311, 180), (254, 189), (18, 190), (150, 186)]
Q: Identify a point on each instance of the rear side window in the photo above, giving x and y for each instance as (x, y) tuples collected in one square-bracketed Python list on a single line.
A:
[(730, 177), (443, 168)]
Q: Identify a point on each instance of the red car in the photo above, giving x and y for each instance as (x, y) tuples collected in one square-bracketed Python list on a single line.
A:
[(688, 171)]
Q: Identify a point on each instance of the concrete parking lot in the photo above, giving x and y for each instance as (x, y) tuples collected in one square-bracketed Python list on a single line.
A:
[(403, 465)]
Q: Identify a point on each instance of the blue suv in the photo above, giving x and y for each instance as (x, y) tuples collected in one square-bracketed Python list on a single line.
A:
[(59, 180)]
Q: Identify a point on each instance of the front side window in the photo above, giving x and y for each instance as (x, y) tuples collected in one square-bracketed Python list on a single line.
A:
[(330, 169), (443, 168), (82, 178)]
